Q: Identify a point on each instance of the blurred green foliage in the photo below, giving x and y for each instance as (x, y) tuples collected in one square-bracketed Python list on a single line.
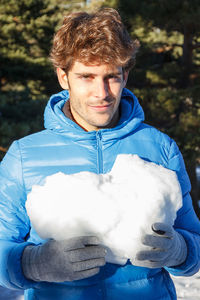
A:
[(26, 75)]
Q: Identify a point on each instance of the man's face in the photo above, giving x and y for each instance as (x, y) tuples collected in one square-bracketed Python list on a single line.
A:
[(95, 93)]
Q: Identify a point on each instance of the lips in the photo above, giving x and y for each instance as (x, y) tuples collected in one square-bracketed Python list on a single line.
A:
[(101, 107)]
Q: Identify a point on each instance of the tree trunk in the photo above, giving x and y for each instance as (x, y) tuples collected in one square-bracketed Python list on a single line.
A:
[(191, 168), (187, 57)]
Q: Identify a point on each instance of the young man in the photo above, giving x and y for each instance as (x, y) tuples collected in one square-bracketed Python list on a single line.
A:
[(87, 125)]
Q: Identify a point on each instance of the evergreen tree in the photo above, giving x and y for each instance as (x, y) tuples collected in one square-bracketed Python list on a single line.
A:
[(27, 27), (26, 75)]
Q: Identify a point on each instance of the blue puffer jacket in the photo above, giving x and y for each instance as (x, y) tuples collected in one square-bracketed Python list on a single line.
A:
[(64, 146)]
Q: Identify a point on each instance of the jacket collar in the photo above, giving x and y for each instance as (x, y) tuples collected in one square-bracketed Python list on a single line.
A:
[(131, 117)]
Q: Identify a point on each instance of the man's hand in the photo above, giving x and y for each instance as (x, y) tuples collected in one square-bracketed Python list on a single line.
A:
[(67, 260), (163, 248)]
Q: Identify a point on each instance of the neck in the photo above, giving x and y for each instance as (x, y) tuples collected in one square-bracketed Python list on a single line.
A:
[(67, 112)]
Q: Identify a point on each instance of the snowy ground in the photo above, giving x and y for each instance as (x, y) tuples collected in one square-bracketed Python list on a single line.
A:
[(188, 288)]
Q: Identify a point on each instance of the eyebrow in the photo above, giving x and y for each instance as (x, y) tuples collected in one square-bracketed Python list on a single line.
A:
[(93, 74)]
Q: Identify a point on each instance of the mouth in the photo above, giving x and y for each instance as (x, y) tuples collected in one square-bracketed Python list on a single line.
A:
[(100, 108)]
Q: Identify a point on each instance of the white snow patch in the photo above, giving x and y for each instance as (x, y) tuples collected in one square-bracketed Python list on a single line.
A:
[(117, 207), (187, 288)]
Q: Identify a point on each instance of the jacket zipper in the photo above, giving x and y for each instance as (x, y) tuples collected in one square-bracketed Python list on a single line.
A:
[(99, 153), (100, 171)]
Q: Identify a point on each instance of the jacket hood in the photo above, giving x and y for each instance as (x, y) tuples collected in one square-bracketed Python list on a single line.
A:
[(131, 116)]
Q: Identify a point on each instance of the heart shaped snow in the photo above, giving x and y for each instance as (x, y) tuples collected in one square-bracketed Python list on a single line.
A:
[(117, 207)]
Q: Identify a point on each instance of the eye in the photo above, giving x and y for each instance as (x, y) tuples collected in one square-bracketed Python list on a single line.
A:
[(86, 77), (114, 78)]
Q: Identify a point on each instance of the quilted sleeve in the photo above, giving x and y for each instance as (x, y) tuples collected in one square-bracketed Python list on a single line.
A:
[(14, 222), (186, 222)]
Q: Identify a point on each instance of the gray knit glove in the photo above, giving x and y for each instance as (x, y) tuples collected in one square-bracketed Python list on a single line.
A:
[(165, 247), (67, 260)]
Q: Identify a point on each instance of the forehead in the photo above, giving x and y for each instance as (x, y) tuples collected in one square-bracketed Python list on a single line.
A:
[(95, 68)]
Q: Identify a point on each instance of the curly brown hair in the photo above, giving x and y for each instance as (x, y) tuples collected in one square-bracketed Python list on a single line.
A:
[(99, 37)]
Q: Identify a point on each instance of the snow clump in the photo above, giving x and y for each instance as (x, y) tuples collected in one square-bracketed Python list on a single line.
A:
[(118, 207)]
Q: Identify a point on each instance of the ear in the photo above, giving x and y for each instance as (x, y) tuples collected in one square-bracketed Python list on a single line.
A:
[(126, 73), (62, 78)]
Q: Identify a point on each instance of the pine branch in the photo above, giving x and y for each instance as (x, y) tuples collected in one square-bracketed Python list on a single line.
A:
[(195, 46), (177, 45)]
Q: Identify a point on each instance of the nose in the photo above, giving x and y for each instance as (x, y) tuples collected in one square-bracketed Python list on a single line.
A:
[(101, 89)]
